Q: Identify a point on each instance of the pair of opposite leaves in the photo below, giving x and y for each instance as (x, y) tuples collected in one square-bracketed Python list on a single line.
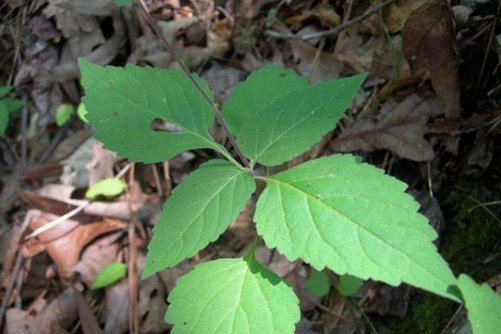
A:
[(334, 211)]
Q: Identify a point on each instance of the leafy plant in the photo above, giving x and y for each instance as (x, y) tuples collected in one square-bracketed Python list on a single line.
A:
[(8, 106), (110, 274), (334, 212)]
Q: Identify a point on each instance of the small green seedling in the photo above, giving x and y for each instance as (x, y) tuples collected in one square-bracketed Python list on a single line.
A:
[(110, 274), (109, 187), (334, 212), (64, 113), (8, 106), (318, 283)]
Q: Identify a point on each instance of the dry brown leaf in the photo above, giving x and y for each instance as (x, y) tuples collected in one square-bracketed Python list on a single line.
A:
[(87, 319), (65, 241), (58, 316), (117, 308), (396, 14), (399, 128), (152, 305), (429, 44), (17, 321), (356, 51), (9, 238), (314, 63), (384, 299), (95, 257)]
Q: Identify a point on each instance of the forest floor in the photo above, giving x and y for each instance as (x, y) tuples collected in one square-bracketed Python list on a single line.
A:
[(429, 114)]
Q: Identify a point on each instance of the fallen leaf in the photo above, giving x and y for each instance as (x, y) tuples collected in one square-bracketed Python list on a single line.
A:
[(117, 308), (396, 14), (65, 241), (429, 44), (399, 128), (153, 305), (97, 256), (87, 319), (314, 63), (17, 321), (58, 316)]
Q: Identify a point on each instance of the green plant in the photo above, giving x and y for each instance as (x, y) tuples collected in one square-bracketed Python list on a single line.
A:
[(8, 106), (109, 275), (335, 212)]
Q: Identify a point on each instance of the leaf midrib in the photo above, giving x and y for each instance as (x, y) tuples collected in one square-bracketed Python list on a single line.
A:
[(181, 236), (356, 224), (153, 113)]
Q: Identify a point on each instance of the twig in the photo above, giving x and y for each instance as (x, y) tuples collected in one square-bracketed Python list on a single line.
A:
[(13, 279), (333, 31), (491, 38), (158, 31), (132, 269), (24, 127)]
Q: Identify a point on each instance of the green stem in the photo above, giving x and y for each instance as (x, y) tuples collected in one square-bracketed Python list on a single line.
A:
[(251, 256)]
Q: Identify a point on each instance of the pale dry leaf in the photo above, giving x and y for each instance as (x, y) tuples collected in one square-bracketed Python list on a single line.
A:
[(152, 305), (117, 308), (17, 321), (399, 128), (58, 316), (97, 256), (101, 165)]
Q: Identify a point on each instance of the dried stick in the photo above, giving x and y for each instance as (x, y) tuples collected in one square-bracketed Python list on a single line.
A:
[(132, 269), (158, 31), (334, 31)]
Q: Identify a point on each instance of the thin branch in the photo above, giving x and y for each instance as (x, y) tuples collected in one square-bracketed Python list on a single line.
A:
[(334, 31), (158, 31)]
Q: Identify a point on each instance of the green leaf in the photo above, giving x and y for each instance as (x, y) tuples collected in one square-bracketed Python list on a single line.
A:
[(123, 3), (349, 216), (259, 90), (110, 187), (82, 112), (483, 306), (197, 212), (318, 283), (348, 284), (123, 103), (7, 106), (232, 296), (110, 274), (275, 116), (64, 113), (4, 90)]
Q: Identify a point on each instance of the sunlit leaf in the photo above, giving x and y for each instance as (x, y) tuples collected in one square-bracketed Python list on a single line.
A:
[(230, 296), (351, 217), (197, 212)]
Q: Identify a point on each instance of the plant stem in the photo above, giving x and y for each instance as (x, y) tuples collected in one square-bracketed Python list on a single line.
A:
[(158, 31), (252, 251)]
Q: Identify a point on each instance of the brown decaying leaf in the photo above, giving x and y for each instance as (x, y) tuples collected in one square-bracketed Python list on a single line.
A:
[(396, 14), (314, 63), (95, 257), (65, 241), (87, 319), (17, 321), (58, 316), (399, 128), (117, 308), (429, 44)]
